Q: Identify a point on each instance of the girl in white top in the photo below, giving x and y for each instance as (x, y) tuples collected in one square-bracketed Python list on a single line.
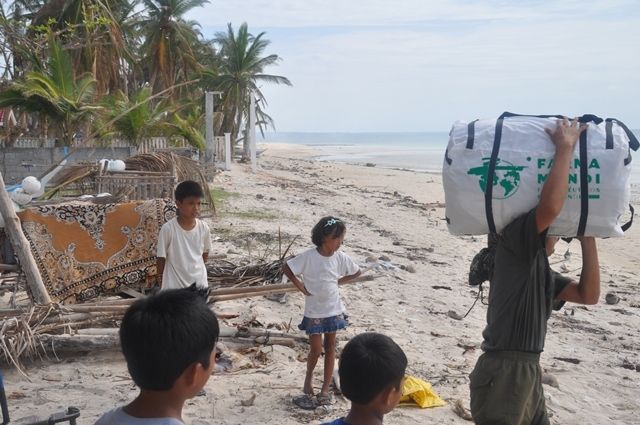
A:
[(317, 273)]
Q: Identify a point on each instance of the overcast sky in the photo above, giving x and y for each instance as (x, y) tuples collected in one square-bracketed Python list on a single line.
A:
[(419, 65)]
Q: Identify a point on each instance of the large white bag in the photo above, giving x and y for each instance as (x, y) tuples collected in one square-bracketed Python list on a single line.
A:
[(515, 153)]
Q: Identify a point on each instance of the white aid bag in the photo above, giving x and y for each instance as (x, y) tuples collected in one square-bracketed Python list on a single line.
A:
[(515, 154)]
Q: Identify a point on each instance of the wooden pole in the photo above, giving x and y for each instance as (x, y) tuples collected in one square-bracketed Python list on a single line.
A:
[(21, 246), (257, 291)]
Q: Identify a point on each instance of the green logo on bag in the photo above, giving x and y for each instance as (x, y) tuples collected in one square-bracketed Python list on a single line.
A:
[(507, 177)]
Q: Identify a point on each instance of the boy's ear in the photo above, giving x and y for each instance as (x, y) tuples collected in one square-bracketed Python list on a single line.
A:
[(190, 374), (390, 397)]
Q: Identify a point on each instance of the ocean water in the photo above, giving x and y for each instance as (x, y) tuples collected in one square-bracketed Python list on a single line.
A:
[(423, 152)]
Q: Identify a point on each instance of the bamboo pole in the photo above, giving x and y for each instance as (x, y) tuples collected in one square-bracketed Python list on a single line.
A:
[(23, 250), (252, 294), (242, 290), (236, 293)]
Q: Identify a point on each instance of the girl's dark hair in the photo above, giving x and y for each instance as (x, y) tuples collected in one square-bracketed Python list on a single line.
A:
[(327, 226)]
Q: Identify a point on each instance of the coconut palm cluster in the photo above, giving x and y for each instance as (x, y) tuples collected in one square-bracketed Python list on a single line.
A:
[(86, 72)]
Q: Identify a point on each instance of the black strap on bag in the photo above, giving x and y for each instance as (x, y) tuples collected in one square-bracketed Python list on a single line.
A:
[(634, 144), (586, 118), (584, 185), (608, 129), (471, 133), (628, 224), (491, 172), (446, 156)]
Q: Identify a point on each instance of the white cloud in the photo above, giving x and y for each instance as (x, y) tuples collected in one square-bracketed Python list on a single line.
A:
[(375, 73), (313, 13)]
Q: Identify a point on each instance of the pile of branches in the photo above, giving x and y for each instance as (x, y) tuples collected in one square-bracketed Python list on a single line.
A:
[(25, 335), (225, 274)]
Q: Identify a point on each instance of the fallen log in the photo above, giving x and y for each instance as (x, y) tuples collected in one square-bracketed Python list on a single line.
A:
[(231, 332), (73, 343), (22, 248), (9, 268), (236, 293), (94, 341)]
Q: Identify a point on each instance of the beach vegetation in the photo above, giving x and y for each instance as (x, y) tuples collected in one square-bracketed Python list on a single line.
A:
[(127, 69), (53, 92), (221, 196), (256, 214)]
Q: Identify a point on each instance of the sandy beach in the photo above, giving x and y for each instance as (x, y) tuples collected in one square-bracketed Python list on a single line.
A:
[(592, 352)]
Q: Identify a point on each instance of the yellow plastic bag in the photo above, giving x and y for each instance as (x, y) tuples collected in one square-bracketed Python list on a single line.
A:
[(415, 390)]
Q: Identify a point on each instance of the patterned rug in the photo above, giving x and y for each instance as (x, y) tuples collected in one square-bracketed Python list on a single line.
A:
[(84, 250)]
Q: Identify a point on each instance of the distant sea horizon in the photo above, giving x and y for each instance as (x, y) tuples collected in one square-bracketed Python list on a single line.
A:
[(416, 151)]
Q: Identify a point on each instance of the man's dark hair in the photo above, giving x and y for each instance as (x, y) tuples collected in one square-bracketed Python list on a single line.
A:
[(369, 364), (188, 188), (327, 226), (164, 334)]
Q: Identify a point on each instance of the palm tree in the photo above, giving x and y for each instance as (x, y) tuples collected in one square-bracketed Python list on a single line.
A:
[(53, 92), (188, 123), (241, 70), (134, 118), (91, 31), (168, 50)]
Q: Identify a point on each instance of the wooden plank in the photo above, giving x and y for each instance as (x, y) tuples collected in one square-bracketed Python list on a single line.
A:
[(9, 268), (22, 249), (140, 173), (132, 292)]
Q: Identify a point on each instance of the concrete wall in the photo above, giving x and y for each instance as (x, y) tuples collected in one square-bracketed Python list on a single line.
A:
[(18, 163)]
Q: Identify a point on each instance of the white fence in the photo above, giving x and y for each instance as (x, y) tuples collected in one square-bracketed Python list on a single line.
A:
[(30, 142), (151, 144)]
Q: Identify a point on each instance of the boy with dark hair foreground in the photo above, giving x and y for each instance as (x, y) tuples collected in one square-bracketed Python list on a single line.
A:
[(184, 242), (372, 369), (168, 341), (506, 387)]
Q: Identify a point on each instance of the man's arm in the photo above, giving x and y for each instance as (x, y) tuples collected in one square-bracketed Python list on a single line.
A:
[(205, 257), (554, 191), (587, 291)]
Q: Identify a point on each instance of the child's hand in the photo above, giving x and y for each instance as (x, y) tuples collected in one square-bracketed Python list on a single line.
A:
[(566, 133)]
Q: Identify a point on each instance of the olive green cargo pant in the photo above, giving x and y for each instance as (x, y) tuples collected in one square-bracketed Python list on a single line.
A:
[(506, 389)]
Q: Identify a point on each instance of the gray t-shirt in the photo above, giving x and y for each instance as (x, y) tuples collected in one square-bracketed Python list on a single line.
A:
[(119, 417), (523, 289)]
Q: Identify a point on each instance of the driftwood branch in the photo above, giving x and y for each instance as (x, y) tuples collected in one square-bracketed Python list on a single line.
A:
[(23, 250)]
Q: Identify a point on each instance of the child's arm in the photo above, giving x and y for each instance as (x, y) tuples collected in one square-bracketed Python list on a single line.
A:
[(160, 261), (345, 279), (587, 291), (206, 249), (298, 284)]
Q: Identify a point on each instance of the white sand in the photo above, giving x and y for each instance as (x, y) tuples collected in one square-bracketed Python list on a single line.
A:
[(398, 214)]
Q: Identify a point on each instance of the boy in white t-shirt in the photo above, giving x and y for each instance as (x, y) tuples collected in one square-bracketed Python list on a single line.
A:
[(184, 242)]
